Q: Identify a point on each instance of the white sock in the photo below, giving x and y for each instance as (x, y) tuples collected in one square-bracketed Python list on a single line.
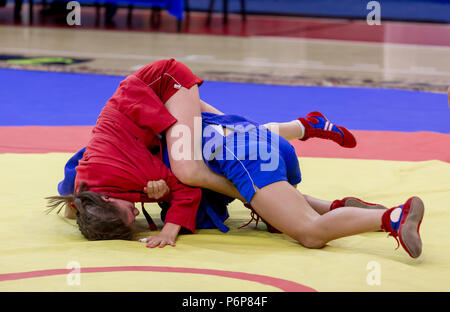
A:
[(302, 128)]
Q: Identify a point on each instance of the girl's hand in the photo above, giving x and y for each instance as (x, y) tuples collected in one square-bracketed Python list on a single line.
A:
[(158, 240), (167, 236), (156, 189)]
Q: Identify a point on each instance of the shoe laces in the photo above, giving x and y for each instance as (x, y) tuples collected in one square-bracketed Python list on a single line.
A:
[(392, 233), (255, 217)]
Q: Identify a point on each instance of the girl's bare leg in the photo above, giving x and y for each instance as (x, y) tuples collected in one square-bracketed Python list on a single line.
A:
[(288, 130), (319, 205), (205, 107), (295, 217), (185, 106)]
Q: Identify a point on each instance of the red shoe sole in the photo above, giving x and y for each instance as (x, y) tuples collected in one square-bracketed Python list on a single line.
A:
[(356, 202), (408, 231)]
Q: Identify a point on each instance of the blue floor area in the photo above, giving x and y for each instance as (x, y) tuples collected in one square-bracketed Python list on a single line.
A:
[(58, 99)]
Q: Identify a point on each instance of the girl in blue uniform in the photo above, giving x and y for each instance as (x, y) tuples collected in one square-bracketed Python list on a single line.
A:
[(263, 167)]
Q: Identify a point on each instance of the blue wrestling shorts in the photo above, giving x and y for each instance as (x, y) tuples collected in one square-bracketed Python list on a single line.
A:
[(252, 157)]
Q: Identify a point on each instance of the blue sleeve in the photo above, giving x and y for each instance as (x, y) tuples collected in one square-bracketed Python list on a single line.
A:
[(66, 186)]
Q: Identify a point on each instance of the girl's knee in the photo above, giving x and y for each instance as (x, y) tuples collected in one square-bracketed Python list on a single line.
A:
[(311, 239), (312, 242)]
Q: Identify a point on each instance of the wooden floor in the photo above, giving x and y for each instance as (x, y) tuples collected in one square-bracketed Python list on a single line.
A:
[(257, 59)]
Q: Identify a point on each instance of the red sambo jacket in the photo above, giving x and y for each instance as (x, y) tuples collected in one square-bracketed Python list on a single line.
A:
[(118, 161)]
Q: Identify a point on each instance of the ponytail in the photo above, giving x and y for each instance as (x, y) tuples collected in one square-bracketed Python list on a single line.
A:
[(58, 202), (96, 219)]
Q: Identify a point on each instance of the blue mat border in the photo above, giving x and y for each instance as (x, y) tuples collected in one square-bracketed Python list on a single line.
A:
[(70, 99)]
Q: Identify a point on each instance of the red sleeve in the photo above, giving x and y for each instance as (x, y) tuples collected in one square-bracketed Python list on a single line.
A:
[(184, 204), (184, 200)]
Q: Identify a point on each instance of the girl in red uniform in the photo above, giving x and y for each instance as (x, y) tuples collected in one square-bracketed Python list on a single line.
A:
[(124, 153)]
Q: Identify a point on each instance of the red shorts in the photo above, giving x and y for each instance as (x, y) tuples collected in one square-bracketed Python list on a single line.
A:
[(166, 77)]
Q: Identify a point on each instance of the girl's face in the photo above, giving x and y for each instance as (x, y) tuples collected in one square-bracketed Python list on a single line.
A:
[(127, 208)]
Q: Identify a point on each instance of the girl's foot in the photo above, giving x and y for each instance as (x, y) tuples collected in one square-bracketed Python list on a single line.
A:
[(354, 202), (403, 223), (317, 126)]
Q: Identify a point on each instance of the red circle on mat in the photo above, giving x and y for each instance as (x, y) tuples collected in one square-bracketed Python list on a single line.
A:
[(279, 283)]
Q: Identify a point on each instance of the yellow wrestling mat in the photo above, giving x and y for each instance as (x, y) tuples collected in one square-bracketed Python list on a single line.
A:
[(40, 252)]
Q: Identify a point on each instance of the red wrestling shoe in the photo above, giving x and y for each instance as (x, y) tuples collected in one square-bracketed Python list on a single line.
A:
[(403, 223), (317, 126), (256, 217), (354, 202)]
